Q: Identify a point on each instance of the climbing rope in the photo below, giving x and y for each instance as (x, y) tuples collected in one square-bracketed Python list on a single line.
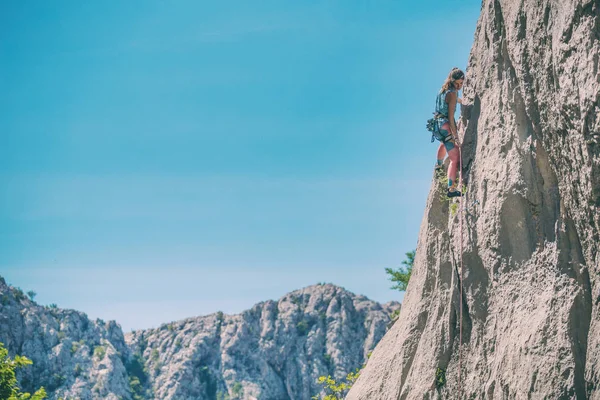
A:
[(460, 216)]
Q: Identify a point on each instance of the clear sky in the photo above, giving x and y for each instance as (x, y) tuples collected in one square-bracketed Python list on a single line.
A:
[(167, 159)]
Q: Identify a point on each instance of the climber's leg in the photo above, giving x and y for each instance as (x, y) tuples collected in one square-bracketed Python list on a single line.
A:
[(453, 167), (441, 154), (453, 154)]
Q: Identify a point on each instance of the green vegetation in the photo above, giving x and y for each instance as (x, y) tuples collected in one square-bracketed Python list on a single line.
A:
[(209, 382), (52, 305), (155, 358), (31, 295), (18, 293), (329, 363), (453, 208), (302, 328), (9, 389), (440, 378), (220, 316), (334, 390), (442, 181), (99, 352), (296, 301), (138, 376), (57, 381), (76, 346), (395, 314), (237, 390), (401, 276), (154, 355), (136, 388), (222, 396)]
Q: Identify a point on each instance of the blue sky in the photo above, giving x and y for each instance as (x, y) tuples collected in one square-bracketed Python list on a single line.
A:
[(162, 160)]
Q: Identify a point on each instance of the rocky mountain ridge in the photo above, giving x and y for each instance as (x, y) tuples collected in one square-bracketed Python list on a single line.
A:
[(276, 350)]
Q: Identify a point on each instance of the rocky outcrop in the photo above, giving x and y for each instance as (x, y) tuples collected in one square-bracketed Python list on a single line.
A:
[(73, 356), (276, 350), (531, 225)]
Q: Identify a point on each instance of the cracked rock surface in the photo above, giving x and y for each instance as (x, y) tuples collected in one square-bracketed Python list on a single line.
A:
[(530, 225), (274, 351)]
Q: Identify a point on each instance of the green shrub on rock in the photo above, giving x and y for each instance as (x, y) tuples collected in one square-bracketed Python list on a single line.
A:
[(9, 389)]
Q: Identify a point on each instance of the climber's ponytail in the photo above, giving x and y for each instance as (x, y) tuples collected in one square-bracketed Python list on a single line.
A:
[(454, 75)]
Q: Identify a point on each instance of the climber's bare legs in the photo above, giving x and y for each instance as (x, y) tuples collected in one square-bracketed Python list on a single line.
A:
[(449, 147), (441, 154), (454, 155)]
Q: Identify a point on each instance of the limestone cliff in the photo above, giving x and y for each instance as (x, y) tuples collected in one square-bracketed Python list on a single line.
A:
[(274, 351), (531, 227), (73, 357)]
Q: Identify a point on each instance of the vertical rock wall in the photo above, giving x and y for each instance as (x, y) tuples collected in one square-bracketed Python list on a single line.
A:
[(531, 227)]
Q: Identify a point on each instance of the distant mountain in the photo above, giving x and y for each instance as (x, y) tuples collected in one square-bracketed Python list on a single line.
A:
[(274, 351)]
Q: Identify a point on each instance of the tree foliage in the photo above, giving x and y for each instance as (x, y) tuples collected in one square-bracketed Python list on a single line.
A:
[(334, 390), (9, 388), (401, 276)]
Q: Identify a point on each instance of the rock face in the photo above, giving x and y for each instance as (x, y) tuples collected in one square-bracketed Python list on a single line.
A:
[(531, 225), (274, 351), (73, 357)]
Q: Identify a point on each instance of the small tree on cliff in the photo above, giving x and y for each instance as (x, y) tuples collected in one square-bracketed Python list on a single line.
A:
[(9, 389), (401, 276), (334, 390)]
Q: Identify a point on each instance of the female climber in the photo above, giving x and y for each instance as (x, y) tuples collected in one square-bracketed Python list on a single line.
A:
[(445, 106)]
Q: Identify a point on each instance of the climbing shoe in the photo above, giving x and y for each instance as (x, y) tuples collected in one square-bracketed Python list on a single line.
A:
[(454, 193)]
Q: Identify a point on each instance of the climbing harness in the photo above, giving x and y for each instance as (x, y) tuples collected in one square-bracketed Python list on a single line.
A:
[(434, 124), (440, 117)]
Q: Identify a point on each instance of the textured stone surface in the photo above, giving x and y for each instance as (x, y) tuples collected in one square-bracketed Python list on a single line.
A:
[(531, 303), (276, 350), (73, 356)]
